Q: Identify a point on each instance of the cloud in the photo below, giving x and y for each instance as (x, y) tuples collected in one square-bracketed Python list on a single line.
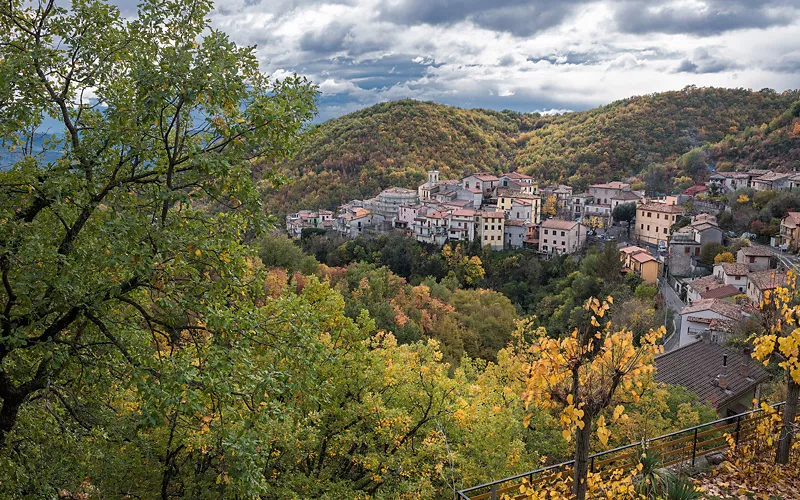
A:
[(701, 17), (523, 55), (703, 61)]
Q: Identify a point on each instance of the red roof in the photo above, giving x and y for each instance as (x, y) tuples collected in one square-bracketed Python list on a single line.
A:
[(693, 190)]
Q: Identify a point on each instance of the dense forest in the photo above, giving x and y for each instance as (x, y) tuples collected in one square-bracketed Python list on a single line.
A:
[(157, 340), (394, 143)]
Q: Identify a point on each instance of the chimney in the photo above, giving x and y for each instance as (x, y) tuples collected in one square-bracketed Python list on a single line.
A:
[(744, 367), (722, 378)]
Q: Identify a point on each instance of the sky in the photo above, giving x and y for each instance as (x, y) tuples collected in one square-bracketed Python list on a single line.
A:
[(536, 55)]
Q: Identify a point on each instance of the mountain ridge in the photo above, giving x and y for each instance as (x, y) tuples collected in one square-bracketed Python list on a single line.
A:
[(395, 143)]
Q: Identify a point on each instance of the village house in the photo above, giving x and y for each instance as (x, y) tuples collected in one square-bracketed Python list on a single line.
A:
[(733, 274), (699, 317), (693, 191), (462, 225), (728, 181), (519, 182), (790, 231), (696, 288), (640, 261), (514, 233), (705, 229), (683, 253), (519, 205), (304, 219), (482, 182), (756, 258), (578, 203), (759, 282), (490, 228), (353, 222), (771, 181), (654, 221), (386, 205), (561, 236), (407, 213), (727, 380)]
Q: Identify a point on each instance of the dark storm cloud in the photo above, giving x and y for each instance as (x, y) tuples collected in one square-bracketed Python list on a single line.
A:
[(330, 39), (708, 18), (703, 61), (519, 17)]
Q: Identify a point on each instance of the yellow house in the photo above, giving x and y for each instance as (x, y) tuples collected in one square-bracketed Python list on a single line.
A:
[(654, 220), (640, 262), (507, 197), (790, 231)]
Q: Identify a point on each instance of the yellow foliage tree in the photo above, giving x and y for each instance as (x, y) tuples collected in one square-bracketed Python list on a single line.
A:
[(550, 206), (724, 257), (780, 317), (743, 198), (585, 372)]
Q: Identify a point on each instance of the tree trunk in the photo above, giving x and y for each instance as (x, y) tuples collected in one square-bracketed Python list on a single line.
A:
[(581, 467), (787, 427), (8, 416)]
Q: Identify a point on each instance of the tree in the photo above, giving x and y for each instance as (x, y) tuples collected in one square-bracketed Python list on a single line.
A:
[(550, 206), (724, 257), (709, 252), (124, 248), (468, 270), (779, 314), (625, 212), (584, 373), (280, 251)]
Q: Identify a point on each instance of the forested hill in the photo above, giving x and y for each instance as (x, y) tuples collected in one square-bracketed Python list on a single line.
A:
[(394, 143), (774, 145)]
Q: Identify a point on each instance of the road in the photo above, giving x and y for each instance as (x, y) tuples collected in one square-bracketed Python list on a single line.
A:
[(789, 261), (672, 301)]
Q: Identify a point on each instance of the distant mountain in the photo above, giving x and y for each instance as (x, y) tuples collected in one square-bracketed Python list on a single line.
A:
[(394, 143)]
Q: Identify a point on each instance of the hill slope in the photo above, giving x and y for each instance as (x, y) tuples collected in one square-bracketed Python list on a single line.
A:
[(774, 146), (394, 143)]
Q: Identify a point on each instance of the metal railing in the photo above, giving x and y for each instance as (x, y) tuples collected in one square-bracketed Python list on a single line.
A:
[(678, 447)]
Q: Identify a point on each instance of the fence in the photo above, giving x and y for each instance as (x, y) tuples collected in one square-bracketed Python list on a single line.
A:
[(677, 447)]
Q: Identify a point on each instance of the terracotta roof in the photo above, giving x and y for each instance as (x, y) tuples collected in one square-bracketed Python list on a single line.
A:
[(611, 185), (705, 283), (722, 325), (767, 279), (792, 218), (644, 257), (727, 309), (632, 249), (464, 212), (522, 202), (482, 176), (756, 251), (693, 190), (734, 269), (721, 292), (661, 207), (626, 195), (558, 224), (492, 215), (772, 176), (517, 175), (515, 193), (698, 319), (704, 225), (474, 190), (514, 222), (697, 366)]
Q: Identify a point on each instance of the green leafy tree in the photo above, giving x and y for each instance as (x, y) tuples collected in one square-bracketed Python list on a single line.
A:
[(625, 212), (125, 249)]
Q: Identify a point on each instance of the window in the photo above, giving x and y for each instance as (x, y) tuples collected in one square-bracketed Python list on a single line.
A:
[(697, 250), (642, 227), (686, 250), (485, 237), (649, 214), (545, 240), (752, 259), (491, 238), (562, 233), (665, 230), (648, 227), (658, 216), (486, 227), (492, 227), (545, 231)]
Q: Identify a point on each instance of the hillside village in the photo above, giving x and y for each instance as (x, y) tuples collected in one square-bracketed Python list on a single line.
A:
[(667, 236)]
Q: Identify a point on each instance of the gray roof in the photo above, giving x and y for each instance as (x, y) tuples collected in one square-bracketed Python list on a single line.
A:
[(696, 367)]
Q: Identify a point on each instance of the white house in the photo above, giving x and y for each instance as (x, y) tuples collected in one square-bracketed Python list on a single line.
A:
[(561, 236), (483, 182), (714, 317), (732, 274)]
